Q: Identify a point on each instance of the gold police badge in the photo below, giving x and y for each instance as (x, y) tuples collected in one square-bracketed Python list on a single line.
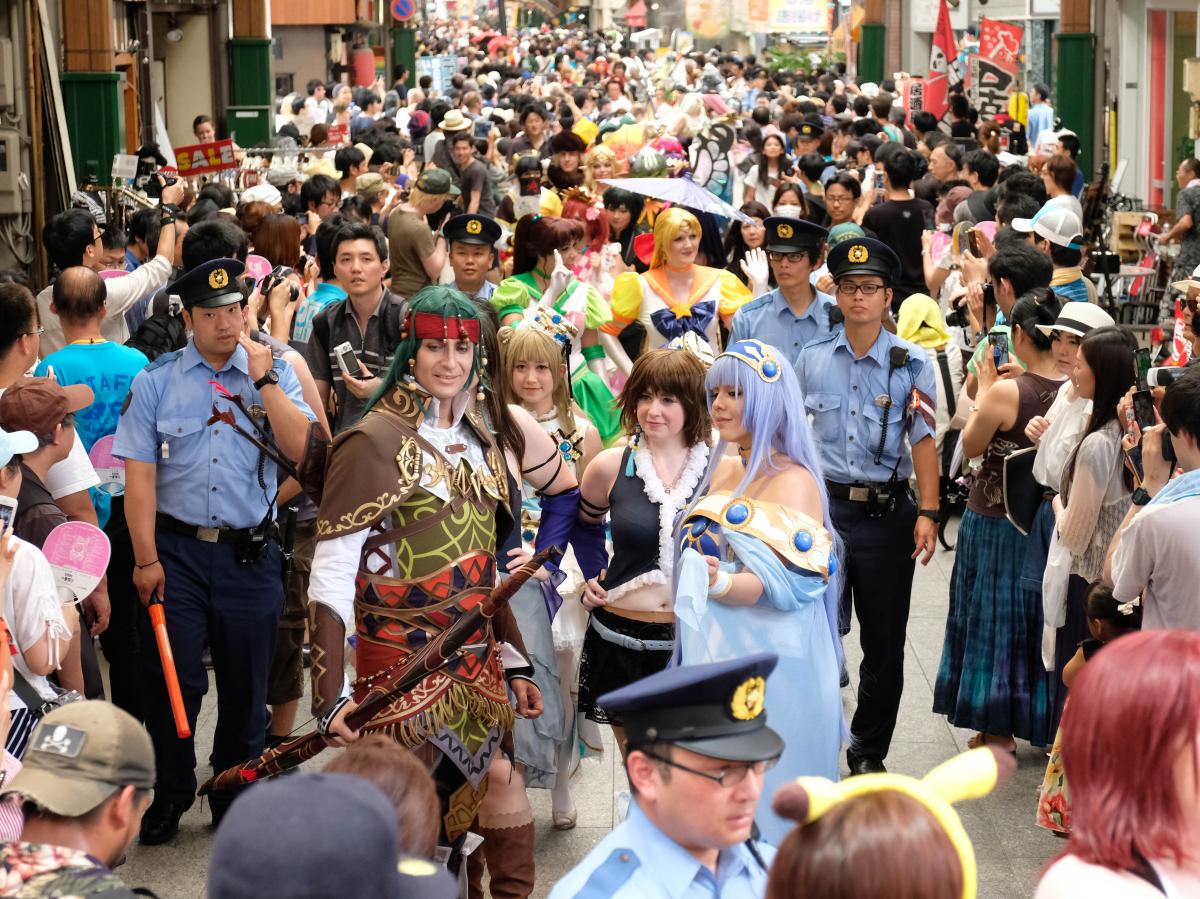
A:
[(218, 278), (474, 226), (784, 231), (748, 698), (858, 254)]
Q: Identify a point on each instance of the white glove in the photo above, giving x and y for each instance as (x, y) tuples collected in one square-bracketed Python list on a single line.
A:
[(559, 279), (755, 267)]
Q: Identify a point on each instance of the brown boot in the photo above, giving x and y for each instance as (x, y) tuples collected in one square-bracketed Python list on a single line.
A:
[(475, 865), (509, 854)]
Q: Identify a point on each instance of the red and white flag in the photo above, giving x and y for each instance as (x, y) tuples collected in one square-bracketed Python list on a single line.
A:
[(943, 65), (1181, 349)]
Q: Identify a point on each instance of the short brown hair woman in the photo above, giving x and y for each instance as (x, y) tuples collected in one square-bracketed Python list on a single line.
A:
[(640, 488)]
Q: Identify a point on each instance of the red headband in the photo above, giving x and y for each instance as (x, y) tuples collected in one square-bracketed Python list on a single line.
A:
[(431, 326)]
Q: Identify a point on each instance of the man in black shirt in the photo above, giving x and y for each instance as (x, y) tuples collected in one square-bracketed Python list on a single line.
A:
[(899, 220)]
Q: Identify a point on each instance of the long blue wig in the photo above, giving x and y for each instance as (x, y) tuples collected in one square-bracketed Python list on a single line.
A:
[(773, 412)]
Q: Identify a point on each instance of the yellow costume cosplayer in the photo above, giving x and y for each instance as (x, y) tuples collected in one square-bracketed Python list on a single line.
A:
[(676, 296), (916, 835)]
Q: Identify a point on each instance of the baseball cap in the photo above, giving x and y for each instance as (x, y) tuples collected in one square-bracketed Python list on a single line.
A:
[(15, 443), (79, 755), (436, 182), (1078, 319), (262, 193), (271, 844), (370, 184), (40, 404), (1055, 223), (1188, 283)]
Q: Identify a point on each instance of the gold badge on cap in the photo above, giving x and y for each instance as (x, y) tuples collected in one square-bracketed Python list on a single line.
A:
[(784, 231), (858, 253), (474, 226), (748, 698), (218, 278)]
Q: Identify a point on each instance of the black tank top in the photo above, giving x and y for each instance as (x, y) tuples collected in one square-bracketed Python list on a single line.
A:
[(634, 522)]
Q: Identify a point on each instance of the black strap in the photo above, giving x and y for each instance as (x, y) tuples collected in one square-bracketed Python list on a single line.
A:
[(1145, 871), (951, 399), (27, 694)]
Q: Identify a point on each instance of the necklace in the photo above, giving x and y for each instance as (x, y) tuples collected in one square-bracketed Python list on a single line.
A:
[(89, 341), (545, 416)]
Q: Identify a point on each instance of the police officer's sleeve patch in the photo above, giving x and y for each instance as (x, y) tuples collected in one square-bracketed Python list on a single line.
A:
[(128, 400), (614, 872)]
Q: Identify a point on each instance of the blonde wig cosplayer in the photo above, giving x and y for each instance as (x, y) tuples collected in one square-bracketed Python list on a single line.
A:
[(667, 227)]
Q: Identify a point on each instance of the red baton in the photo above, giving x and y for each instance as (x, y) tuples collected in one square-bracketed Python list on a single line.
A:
[(158, 620)]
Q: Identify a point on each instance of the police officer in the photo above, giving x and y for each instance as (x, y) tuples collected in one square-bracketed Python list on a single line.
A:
[(795, 313), (199, 502), (472, 238), (867, 393), (697, 745)]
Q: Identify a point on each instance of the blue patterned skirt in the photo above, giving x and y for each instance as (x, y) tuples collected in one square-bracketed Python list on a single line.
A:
[(991, 677)]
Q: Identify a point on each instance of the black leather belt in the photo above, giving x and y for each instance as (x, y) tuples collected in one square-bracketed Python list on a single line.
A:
[(205, 535), (860, 492)]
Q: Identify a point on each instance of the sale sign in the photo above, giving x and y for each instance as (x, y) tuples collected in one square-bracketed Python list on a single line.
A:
[(338, 134), (204, 159)]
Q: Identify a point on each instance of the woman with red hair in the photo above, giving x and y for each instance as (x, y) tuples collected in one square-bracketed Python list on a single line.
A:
[(1131, 745)]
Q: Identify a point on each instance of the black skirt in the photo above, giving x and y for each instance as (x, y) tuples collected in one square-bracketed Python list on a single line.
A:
[(605, 666)]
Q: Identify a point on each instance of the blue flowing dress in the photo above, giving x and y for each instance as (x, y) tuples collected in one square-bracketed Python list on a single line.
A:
[(791, 554)]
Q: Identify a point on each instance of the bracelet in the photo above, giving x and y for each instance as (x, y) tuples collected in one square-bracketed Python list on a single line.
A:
[(327, 719), (147, 565), (723, 585), (591, 353)]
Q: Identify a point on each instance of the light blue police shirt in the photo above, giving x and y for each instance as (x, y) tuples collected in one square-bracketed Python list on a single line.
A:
[(207, 475), (638, 861), (842, 396), (770, 319)]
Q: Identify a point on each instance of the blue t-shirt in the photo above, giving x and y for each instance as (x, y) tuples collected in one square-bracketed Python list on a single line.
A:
[(108, 368)]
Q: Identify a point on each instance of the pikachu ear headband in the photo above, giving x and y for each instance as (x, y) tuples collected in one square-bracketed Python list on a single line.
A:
[(968, 776)]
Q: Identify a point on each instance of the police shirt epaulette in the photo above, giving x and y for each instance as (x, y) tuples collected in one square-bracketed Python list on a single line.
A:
[(612, 874), (817, 341), (163, 360)]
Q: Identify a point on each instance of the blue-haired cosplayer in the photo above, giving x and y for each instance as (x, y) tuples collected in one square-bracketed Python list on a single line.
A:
[(772, 551)]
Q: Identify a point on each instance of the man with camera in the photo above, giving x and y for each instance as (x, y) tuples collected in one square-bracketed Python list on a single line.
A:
[(199, 505), (1152, 561), (1012, 272)]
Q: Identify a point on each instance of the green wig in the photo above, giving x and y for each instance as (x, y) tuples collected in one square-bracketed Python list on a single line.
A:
[(438, 300)]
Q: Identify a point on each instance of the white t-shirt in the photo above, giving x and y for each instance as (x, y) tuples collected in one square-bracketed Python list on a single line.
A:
[(33, 610), (73, 473), (1157, 558)]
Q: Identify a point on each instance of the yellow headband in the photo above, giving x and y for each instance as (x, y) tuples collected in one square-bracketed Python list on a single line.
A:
[(970, 775)]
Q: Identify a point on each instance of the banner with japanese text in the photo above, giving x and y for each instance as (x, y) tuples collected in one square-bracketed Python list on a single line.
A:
[(992, 72)]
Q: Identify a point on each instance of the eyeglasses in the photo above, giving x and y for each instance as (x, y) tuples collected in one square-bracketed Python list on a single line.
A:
[(726, 777), (36, 332), (838, 198), (867, 290), (784, 257)]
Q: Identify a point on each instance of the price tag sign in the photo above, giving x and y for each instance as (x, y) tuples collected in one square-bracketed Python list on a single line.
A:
[(124, 167), (109, 469), (78, 554)]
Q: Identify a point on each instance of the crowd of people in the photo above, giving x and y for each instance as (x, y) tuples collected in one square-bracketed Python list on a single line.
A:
[(340, 402)]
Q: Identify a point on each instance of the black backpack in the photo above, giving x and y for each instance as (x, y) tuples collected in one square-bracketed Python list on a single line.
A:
[(163, 332), (390, 321)]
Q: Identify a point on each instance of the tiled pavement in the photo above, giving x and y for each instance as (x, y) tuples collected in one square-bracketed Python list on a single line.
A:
[(1010, 849)]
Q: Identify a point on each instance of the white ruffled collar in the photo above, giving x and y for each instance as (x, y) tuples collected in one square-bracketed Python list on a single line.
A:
[(670, 502)]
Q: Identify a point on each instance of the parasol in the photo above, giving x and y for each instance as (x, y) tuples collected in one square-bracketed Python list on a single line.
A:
[(681, 192)]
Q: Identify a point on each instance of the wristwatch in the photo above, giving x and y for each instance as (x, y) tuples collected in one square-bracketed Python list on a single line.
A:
[(934, 514), (1140, 497), (271, 377)]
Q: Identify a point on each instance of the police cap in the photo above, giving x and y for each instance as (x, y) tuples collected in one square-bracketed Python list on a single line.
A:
[(210, 284), (790, 235), (717, 710), (473, 228), (811, 128), (864, 256)]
